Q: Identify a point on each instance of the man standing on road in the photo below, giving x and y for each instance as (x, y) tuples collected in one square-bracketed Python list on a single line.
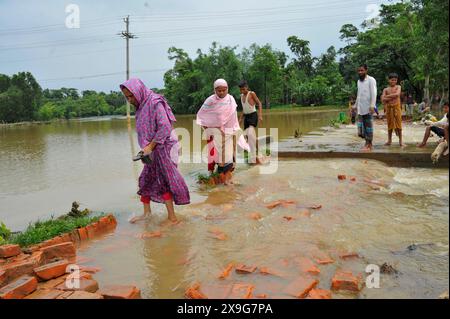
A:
[(365, 104)]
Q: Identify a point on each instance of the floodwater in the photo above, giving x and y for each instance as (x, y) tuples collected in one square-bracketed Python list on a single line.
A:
[(378, 215)]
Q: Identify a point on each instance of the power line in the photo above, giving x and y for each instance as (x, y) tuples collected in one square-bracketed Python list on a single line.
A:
[(92, 76), (184, 30)]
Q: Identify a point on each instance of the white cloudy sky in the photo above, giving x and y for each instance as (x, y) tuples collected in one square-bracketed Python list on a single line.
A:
[(33, 35)]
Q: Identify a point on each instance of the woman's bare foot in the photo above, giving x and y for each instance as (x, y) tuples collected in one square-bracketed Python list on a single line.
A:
[(402, 145), (421, 145), (136, 219), (388, 143)]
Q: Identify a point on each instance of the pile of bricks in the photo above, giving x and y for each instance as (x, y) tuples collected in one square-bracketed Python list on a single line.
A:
[(48, 270)]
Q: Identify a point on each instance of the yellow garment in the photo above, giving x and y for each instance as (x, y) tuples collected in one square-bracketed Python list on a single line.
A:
[(394, 115)]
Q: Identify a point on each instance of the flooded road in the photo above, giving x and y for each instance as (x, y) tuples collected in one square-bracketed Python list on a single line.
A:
[(44, 168), (376, 216)]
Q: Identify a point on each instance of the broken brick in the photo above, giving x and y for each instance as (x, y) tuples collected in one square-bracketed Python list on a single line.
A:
[(45, 294), (63, 250), (7, 251), (226, 272), (82, 234), (346, 281), (342, 177), (243, 269), (52, 270), (300, 287), (19, 288), (349, 255), (307, 266), (17, 269), (88, 285), (120, 292), (194, 292), (317, 293), (84, 295)]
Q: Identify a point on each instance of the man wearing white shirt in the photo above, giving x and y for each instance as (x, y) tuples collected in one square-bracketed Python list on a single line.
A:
[(365, 104)]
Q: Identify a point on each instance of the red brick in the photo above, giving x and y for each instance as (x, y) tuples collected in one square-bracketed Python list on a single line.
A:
[(7, 251), (92, 230), (120, 292), (342, 177), (37, 258), (82, 233), (90, 269), (193, 292), (226, 272), (343, 280), (84, 295), (307, 266), (300, 287), (52, 270), (74, 237), (319, 294), (17, 269), (19, 288), (244, 269), (2, 277), (63, 250), (51, 284), (88, 285), (45, 294), (348, 255)]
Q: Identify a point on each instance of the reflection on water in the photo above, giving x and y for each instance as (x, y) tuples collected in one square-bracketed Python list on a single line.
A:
[(44, 168)]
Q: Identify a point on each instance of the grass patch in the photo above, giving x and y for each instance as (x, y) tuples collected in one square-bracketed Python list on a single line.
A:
[(44, 230), (205, 178)]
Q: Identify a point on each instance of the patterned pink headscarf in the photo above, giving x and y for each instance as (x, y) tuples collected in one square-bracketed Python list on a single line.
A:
[(147, 100)]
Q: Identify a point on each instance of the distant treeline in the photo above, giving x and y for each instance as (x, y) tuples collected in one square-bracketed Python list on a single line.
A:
[(409, 38)]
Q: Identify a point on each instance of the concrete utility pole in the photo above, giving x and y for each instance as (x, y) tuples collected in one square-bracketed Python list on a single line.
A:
[(127, 36)]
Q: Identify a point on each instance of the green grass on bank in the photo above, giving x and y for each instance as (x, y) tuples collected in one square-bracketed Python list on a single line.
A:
[(43, 230)]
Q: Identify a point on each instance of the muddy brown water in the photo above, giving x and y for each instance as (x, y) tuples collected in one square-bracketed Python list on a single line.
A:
[(44, 168)]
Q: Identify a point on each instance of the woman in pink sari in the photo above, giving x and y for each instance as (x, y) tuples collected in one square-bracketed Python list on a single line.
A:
[(160, 180)]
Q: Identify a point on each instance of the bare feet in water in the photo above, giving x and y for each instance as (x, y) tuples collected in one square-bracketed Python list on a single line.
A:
[(170, 222), (421, 145), (136, 219), (388, 143)]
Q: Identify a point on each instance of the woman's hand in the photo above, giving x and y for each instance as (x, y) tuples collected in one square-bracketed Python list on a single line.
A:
[(148, 149)]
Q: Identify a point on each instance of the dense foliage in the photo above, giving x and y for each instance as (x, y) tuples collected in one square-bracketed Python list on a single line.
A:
[(409, 37)]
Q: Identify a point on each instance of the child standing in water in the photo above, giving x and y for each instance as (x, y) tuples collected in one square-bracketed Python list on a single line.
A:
[(391, 98)]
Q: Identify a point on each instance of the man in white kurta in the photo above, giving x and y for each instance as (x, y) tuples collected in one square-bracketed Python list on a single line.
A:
[(365, 104)]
